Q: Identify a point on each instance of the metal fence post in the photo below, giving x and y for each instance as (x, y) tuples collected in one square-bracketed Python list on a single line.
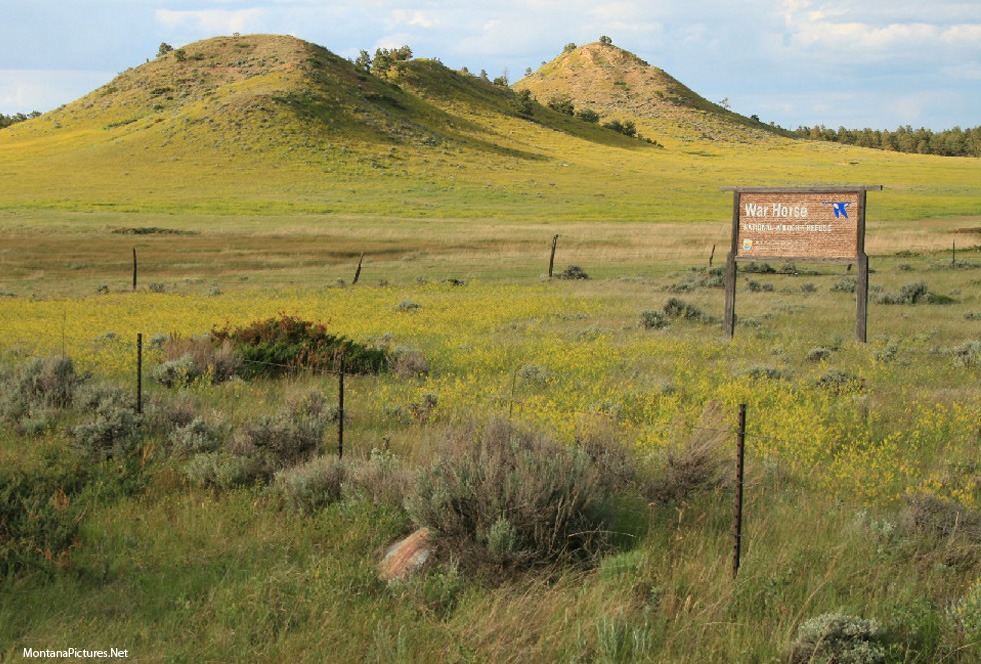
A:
[(737, 522)]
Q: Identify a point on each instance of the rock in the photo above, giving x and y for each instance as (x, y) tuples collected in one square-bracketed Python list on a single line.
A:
[(406, 556)]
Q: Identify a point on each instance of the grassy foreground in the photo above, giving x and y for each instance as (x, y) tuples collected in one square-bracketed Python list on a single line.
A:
[(846, 443)]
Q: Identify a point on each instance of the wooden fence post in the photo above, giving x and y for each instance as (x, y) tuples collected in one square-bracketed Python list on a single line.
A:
[(551, 260), (357, 272), (134, 268)]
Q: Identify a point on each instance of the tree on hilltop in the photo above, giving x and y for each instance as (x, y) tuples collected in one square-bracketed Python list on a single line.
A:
[(386, 58), (363, 61)]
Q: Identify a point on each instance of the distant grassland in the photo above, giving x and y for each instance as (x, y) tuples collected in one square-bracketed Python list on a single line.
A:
[(51, 252), (519, 170)]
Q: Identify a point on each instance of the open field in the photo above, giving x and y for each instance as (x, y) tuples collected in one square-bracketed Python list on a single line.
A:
[(51, 253), (175, 571), (569, 442)]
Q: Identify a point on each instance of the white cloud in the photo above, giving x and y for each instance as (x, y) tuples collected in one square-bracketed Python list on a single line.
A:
[(416, 19), (896, 37), (26, 90), (213, 21)]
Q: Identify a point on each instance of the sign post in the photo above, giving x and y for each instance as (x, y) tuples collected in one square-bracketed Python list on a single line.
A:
[(817, 224)]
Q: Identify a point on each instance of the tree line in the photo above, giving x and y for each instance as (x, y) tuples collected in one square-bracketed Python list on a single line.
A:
[(7, 120), (954, 142)]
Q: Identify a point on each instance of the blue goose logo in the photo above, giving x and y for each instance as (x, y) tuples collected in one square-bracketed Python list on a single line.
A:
[(840, 209)]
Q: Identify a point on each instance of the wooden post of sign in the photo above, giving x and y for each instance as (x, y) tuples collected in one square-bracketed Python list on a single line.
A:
[(862, 280), (551, 259), (729, 322)]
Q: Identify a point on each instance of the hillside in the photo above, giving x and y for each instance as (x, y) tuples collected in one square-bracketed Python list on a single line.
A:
[(256, 93), (617, 84), (267, 124)]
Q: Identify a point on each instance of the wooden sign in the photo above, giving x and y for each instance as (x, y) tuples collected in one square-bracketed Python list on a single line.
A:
[(799, 224)]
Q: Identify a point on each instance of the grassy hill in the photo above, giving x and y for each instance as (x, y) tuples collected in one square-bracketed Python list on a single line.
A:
[(617, 84), (274, 125)]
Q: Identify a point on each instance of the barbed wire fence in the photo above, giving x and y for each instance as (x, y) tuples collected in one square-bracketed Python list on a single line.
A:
[(506, 402)]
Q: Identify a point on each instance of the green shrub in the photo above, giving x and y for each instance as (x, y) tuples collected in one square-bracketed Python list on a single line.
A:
[(382, 478), (276, 345), (758, 268), (952, 529), (196, 437), (38, 390), (290, 437), (174, 373), (195, 358), (407, 305), (510, 498), (39, 517), (845, 285), (694, 463), (535, 374), (888, 353), (967, 354), (562, 105), (840, 381), (218, 470), (838, 638), (908, 294), (408, 363), (653, 320), (677, 308), (768, 373), (573, 272), (116, 429), (757, 287), (311, 486), (818, 354), (625, 127)]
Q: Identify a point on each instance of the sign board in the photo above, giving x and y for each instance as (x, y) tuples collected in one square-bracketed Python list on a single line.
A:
[(799, 224)]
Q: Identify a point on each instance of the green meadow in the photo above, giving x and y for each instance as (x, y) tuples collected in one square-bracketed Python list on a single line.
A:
[(569, 442)]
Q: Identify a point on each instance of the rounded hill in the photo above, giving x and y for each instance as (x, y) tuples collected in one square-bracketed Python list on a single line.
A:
[(617, 84)]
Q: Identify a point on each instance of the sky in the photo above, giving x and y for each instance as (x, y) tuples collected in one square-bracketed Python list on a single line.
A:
[(851, 63)]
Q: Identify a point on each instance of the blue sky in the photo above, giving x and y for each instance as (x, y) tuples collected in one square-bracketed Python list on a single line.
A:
[(855, 63)]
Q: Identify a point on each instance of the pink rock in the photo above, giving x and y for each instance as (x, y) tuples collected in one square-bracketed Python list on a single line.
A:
[(406, 556)]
